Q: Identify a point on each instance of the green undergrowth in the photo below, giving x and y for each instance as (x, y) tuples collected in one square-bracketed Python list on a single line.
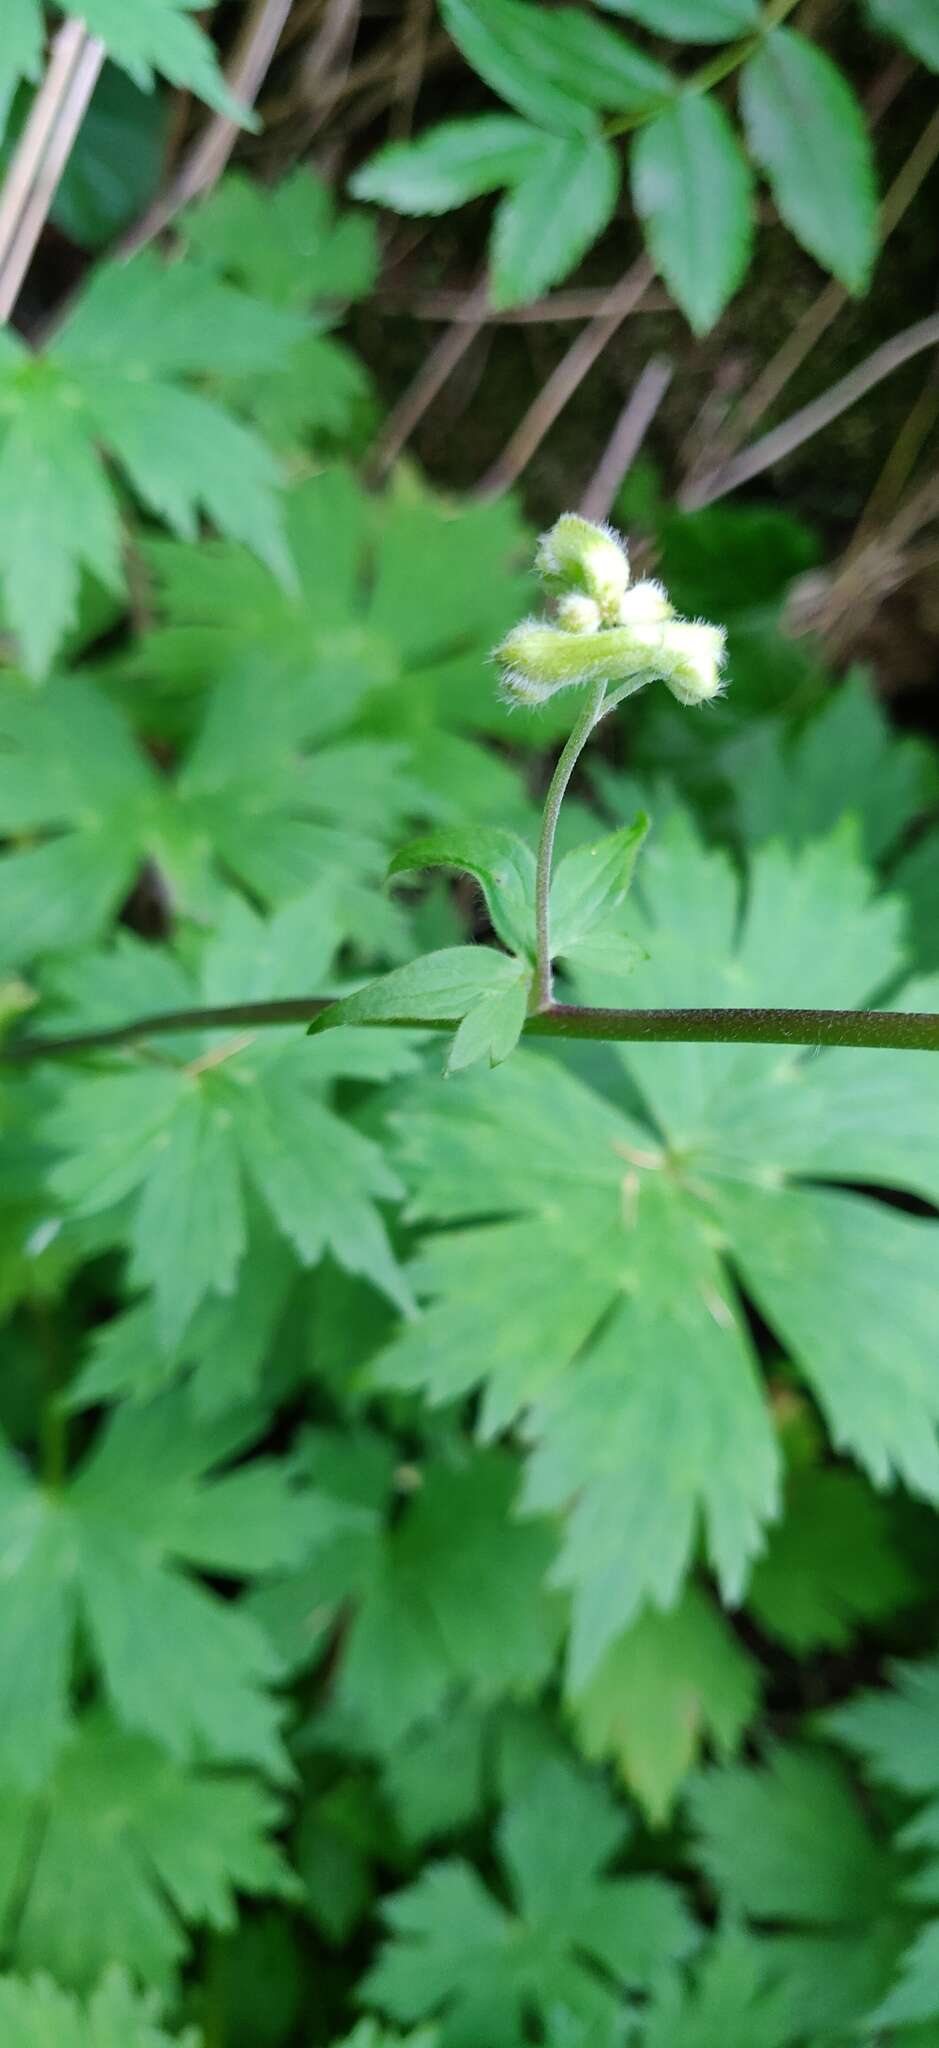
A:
[(467, 1545)]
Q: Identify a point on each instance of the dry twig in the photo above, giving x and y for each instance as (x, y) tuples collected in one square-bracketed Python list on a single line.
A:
[(43, 152), (812, 419), (210, 152), (570, 372), (627, 438), (815, 321), (420, 394), (556, 307)]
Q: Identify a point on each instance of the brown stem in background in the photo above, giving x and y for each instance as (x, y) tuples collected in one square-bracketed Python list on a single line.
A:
[(627, 438), (421, 392), (245, 75), (32, 145), (43, 152), (410, 72), (816, 320), (564, 380), (555, 306), (811, 419)]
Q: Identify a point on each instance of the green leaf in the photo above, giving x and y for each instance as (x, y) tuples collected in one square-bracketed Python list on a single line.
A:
[(671, 1684), (21, 53), (444, 1593), (287, 243), (38, 2015), (692, 189), (552, 216), (178, 1664), (598, 1303), (643, 1447), (913, 22), (895, 1731), (154, 35), (191, 1143), (863, 1341), (127, 1846), (135, 327), (290, 246), (250, 800), (590, 885), (733, 2000), (439, 989), (692, 21), (458, 161), (57, 513), (576, 1934), (228, 1344), (491, 1030), (915, 1996), (789, 1841), (917, 875), (141, 320), (555, 68), (807, 132), (356, 625), (499, 861), (848, 761), (158, 35), (368, 2034), (116, 164), (458, 1589), (830, 1567), (434, 1778), (631, 1440)]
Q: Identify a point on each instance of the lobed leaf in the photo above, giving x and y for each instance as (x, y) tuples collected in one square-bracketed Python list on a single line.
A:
[(692, 189), (808, 133)]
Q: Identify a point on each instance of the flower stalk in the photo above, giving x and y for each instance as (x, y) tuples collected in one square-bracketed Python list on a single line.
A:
[(609, 637)]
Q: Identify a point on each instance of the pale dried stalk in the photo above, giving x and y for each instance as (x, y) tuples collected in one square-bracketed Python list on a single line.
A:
[(815, 321), (627, 438), (32, 145), (58, 134), (802, 426), (210, 152), (430, 380), (564, 380), (554, 307)]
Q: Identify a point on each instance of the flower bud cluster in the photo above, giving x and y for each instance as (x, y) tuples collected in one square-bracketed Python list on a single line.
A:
[(605, 628)]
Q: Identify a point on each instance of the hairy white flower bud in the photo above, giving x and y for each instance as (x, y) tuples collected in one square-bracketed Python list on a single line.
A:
[(691, 660), (576, 555), (645, 603), (605, 630), (576, 614)]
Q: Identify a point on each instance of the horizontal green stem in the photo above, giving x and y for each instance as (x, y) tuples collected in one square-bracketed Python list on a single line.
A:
[(901, 1030)]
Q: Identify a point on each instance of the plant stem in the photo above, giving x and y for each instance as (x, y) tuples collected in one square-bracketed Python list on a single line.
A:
[(716, 69), (899, 1030), (549, 825)]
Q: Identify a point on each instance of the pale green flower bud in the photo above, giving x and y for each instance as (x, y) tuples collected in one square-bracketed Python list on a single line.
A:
[(576, 555), (576, 614), (645, 603), (691, 659), (538, 659)]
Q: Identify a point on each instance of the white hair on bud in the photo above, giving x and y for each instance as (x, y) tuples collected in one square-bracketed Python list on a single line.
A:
[(643, 602), (693, 657), (578, 614)]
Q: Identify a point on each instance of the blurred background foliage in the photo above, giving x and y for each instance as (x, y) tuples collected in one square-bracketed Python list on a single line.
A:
[(467, 1551)]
